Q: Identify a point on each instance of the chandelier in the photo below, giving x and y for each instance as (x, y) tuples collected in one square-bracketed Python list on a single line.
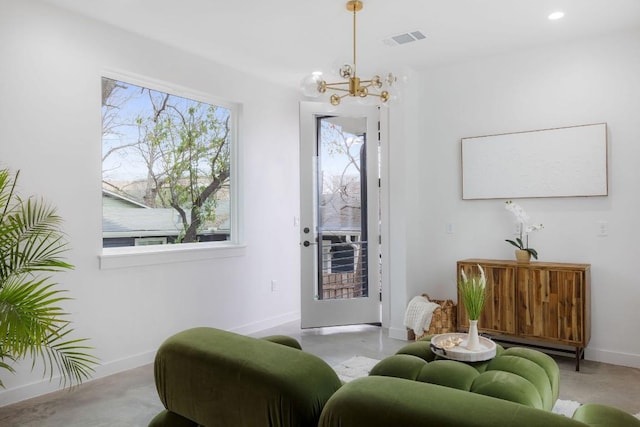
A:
[(354, 86)]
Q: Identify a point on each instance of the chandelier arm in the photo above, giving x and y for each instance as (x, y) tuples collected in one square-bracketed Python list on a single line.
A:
[(338, 89), (368, 83), (335, 84)]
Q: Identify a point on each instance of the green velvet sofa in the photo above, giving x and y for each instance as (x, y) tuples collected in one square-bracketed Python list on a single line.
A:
[(518, 387), (377, 401), (209, 377)]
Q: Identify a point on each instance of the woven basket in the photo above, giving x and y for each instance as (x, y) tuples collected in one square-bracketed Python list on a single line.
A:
[(443, 320)]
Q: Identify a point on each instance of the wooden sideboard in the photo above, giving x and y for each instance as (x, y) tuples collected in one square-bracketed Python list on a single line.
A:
[(539, 302)]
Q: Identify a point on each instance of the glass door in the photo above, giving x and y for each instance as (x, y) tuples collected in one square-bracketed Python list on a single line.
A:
[(340, 255)]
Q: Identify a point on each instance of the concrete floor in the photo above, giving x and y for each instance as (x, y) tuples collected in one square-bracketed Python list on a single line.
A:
[(129, 399)]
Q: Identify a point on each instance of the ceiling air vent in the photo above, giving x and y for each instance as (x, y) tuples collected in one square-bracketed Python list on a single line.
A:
[(404, 38)]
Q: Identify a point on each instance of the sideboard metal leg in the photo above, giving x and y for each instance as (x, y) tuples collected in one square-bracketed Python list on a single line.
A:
[(579, 355)]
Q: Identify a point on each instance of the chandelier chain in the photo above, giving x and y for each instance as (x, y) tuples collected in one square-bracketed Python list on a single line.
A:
[(354, 40)]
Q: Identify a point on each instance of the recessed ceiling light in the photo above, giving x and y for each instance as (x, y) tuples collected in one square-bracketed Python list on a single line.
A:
[(556, 15)]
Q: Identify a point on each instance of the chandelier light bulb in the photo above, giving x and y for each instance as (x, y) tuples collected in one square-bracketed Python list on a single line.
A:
[(311, 84), (346, 71), (390, 79)]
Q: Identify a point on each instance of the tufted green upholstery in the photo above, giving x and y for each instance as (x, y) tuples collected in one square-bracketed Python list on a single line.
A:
[(422, 349), (399, 366), (507, 386), (448, 373), (596, 415), (529, 371), (521, 385), (396, 402), (419, 349), (283, 340), (210, 377), (520, 375), (544, 361)]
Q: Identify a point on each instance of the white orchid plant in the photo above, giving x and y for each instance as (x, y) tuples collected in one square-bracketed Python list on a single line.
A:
[(525, 228), (472, 291)]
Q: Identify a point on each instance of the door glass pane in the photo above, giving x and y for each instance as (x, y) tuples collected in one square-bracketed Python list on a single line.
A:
[(342, 198)]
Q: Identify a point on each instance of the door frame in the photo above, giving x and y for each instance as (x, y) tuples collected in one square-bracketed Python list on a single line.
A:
[(309, 112)]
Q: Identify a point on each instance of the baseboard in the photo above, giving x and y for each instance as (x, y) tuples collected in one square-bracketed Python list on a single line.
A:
[(45, 386), (28, 391), (613, 358), (254, 327), (398, 333)]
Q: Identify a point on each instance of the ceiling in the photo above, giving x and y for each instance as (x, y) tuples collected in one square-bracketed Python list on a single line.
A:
[(285, 40)]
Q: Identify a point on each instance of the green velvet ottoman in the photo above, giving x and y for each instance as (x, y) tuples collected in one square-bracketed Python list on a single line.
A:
[(520, 375)]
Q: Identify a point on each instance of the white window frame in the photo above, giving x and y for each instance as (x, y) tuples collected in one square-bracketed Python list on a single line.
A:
[(132, 256)]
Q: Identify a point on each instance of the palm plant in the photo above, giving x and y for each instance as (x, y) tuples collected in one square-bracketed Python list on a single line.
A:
[(32, 324)]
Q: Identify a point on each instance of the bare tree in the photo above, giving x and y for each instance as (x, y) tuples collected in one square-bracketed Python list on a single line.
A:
[(184, 147), (346, 185)]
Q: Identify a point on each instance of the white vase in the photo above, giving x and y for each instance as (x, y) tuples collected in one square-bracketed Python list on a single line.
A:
[(473, 340)]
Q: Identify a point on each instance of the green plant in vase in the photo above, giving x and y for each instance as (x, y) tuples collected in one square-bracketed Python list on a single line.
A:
[(473, 291), (525, 228), (32, 323)]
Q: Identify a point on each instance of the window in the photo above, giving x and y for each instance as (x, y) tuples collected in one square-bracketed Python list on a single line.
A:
[(167, 164)]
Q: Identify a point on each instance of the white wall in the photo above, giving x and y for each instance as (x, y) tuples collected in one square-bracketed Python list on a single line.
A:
[(405, 131), (590, 81), (50, 73)]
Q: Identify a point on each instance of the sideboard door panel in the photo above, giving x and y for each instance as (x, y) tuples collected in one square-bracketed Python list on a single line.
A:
[(551, 305), (537, 304)]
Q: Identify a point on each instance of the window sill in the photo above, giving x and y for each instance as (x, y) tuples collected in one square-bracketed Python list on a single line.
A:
[(135, 256)]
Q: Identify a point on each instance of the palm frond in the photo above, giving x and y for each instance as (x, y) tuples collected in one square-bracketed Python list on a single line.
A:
[(3, 365), (32, 239), (28, 313), (32, 322), (69, 357), (7, 188)]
